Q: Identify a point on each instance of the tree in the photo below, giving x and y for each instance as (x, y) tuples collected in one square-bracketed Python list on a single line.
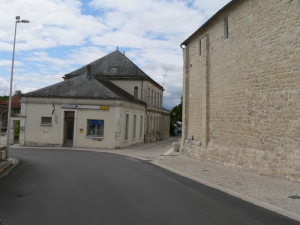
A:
[(176, 112), (175, 115), (4, 98)]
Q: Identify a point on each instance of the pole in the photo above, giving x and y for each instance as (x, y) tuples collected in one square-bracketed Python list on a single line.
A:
[(10, 97)]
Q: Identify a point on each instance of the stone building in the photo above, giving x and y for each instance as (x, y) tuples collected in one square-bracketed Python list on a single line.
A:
[(241, 104)]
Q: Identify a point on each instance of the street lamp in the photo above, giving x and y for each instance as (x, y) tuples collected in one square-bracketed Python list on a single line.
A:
[(11, 81)]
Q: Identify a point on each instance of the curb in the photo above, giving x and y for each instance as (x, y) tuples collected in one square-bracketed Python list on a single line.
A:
[(6, 169), (254, 201)]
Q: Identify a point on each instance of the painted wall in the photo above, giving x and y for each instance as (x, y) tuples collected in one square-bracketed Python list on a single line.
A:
[(37, 134)]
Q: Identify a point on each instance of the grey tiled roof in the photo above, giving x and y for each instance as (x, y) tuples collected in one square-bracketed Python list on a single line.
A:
[(113, 64), (81, 87)]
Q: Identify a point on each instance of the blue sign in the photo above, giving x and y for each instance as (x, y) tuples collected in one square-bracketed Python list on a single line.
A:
[(95, 122)]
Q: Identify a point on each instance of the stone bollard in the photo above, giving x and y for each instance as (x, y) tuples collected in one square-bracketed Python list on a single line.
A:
[(2, 156), (176, 146)]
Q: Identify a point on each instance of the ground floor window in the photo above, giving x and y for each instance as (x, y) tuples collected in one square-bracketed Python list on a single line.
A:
[(126, 126), (134, 126), (141, 125), (46, 120), (95, 128)]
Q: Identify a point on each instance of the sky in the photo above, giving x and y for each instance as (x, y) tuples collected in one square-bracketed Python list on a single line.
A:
[(64, 35)]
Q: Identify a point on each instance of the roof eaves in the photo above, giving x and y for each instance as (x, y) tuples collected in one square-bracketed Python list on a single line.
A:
[(210, 20)]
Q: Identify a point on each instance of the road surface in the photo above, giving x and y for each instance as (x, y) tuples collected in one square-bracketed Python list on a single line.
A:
[(67, 187)]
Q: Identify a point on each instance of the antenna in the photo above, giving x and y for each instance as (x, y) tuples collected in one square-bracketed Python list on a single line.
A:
[(166, 70)]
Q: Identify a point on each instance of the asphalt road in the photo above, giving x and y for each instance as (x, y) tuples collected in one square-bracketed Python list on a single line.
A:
[(75, 187)]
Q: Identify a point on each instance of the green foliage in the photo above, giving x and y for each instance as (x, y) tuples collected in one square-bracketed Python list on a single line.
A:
[(176, 112), (4, 98), (17, 129), (175, 115)]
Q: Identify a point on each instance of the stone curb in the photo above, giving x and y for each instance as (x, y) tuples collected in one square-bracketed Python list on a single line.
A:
[(13, 162)]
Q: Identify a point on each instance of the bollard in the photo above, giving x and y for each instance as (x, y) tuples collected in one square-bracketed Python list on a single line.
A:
[(176, 146)]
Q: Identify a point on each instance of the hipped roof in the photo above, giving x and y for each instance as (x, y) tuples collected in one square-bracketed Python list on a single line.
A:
[(83, 87), (113, 65)]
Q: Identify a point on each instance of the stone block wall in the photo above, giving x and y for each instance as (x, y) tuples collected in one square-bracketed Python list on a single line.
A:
[(242, 93)]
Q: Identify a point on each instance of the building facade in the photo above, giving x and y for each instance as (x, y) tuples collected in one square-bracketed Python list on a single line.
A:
[(241, 104), (101, 105)]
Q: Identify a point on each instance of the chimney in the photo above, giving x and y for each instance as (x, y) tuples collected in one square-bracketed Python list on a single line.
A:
[(18, 92), (136, 90), (88, 71)]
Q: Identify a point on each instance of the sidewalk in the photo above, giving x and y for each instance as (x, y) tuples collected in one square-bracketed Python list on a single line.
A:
[(276, 194)]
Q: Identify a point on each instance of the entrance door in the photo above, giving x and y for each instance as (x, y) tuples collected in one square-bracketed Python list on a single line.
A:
[(69, 129)]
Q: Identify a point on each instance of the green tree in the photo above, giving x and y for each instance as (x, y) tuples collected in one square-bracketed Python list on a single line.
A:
[(176, 112), (4, 98), (175, 115)]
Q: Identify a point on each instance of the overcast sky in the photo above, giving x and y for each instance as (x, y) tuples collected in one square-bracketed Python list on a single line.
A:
[(64, 35)]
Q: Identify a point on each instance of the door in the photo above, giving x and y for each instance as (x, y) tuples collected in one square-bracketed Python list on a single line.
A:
[(69, 129)]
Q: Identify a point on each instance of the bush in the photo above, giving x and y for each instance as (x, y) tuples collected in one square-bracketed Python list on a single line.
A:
[(17, 130)]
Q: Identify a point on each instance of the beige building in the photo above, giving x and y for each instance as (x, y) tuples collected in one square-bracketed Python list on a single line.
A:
[(105, 104), (241, 104)]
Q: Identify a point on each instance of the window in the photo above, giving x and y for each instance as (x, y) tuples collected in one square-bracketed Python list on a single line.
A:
[(126, 126), (199, 47), (149, 96), (95, 128), (158, 100), (46, 120), (152, 98), (226, 33), (134, 126), (141, 126)]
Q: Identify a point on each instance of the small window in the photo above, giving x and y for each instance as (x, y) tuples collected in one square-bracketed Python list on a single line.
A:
[(199, 47), (95, 128), (226, 33), (126, 126), (46, 120), (152, 99), (141, 125), (134, 126)]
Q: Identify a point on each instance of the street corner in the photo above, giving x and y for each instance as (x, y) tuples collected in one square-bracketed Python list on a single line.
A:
[(7, 165)]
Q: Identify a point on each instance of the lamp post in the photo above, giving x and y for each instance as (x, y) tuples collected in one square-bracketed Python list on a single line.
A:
[(11, 81)]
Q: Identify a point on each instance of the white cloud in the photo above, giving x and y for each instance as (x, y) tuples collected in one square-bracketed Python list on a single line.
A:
[(7, 63), (64, 35)]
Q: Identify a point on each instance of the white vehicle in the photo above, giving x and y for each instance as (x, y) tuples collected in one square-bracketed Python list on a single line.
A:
[(179, 126)]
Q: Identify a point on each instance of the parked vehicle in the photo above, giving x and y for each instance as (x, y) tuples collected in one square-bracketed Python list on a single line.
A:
[(179, 126)]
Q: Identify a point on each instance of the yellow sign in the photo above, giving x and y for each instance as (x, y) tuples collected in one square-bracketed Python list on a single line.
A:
[(81, 130), (104, 107)]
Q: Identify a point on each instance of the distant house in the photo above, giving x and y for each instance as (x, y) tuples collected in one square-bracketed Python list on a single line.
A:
[(15, 103), (105, 104), (15, 109), (241, 97), (3, 116)]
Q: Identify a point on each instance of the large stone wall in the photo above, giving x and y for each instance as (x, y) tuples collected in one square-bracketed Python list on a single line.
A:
[(242, 94)]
